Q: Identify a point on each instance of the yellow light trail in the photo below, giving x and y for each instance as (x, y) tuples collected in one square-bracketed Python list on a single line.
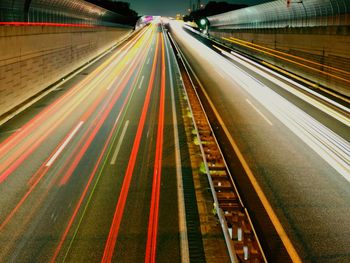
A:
[(290, 55), (288, 60)]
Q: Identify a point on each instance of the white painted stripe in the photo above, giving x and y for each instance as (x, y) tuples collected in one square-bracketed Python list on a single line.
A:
[(69, 138), (119, 144), (260, 113), (140, 85), (148, 61), (185, 256)]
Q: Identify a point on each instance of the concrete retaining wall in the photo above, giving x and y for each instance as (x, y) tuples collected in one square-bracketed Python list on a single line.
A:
[(34, 57), (328, 49)]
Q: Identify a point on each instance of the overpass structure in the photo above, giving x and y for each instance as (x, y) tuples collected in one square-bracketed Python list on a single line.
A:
[(314, 30)]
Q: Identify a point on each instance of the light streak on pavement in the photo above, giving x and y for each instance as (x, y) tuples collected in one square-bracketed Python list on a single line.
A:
[(301, 163), (56, 177)]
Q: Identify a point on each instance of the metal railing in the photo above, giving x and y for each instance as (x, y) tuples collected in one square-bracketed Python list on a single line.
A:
[(278, 14), (57, 11)]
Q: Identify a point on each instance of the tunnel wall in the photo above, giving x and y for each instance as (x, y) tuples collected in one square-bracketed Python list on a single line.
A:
[(329, 48), (34, 57)]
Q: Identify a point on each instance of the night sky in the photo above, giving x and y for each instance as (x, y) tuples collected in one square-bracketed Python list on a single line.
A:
[(173, 7)]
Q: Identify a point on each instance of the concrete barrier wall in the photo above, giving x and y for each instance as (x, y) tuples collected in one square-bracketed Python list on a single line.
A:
[(34, 57), (328, 49)]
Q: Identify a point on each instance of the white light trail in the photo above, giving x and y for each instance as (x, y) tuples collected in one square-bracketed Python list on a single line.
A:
[(327, 144), (61, 148)]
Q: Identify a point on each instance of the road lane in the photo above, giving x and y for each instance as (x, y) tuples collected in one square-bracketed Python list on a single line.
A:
[(89, 134), (113, 234), (306, 188), (76, 155)]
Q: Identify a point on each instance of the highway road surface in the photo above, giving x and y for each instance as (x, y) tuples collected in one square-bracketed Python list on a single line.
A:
[(90, 173), (294, 147)]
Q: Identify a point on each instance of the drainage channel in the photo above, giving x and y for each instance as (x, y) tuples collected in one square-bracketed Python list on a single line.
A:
[(240, 237)]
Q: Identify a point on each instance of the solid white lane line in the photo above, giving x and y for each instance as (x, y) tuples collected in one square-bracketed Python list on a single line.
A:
[(148, 61), (119, 144), (140, 85), (69, 138), (180, 194), (260, 113)]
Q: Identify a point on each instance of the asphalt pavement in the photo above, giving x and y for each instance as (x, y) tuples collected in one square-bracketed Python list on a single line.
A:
[(89, 173), (295, 150)]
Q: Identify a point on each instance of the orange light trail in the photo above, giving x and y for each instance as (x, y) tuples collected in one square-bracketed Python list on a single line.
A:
[(151, 245), (22, 145), (118, 214), (288, 60), (82, 197), (34, 181), (292, 56), (42, 171), (85, 142), (92, 176)]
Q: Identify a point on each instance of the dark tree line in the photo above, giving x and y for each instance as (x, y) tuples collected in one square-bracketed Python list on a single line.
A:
[(212, 8), (118, 7)]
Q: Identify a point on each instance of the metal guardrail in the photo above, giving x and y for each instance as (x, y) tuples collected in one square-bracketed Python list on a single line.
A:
[(57, 11), (278, 14)]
